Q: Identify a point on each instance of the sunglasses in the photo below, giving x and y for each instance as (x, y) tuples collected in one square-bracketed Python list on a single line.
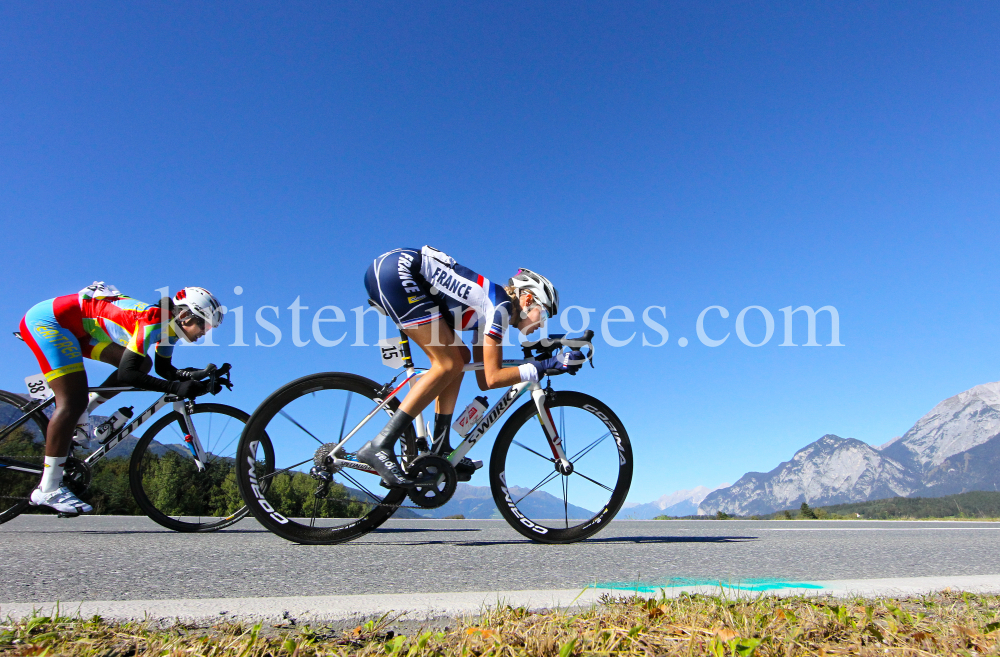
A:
[(198, 320)]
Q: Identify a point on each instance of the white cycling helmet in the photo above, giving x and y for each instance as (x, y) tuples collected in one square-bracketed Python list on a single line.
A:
[(539, 286), (202, 303)]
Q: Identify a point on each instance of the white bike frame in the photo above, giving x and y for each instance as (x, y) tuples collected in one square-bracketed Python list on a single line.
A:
[(490, 418), (181, 406)]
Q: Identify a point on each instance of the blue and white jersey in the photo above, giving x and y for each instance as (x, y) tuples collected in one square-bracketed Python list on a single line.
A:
[(472, 301)]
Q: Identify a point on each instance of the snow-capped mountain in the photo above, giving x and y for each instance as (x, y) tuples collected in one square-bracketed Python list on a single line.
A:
[(956, 425), (953, 449), (678, 503), (832, 470)]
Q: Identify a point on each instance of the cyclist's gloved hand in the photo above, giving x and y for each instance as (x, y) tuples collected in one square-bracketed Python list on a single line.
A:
[(570, 361), (194, 373), (188, 389)]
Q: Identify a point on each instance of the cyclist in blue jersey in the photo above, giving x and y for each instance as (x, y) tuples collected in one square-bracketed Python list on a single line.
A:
[(431, 297)]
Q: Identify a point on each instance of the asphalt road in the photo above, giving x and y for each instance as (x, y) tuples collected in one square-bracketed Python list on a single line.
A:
[(115, 558)]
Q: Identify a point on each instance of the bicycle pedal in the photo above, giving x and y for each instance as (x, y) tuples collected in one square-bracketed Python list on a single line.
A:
[(68, 515)]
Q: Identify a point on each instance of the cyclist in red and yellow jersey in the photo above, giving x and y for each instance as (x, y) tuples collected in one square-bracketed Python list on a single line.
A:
[(103, 324)]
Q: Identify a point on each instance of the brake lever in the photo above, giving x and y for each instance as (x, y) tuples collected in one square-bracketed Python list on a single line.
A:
[(222, 377)]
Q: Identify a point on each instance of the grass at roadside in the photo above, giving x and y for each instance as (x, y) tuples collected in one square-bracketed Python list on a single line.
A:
[(948, 623)]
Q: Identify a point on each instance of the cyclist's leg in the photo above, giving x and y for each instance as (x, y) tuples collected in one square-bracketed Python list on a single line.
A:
[(110, 353), (445, 374), (444, 378), (58, 352), (71, 400), (444, 408)]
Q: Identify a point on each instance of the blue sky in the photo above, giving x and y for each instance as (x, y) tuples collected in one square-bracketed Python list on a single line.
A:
[(642, 154)]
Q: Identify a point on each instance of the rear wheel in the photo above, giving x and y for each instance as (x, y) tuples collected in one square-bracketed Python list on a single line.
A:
[(166, 483), (303, 418), (540, 501), (22, 452)]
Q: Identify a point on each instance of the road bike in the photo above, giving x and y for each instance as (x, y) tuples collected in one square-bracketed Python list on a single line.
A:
[(180, 471), (560, 469)]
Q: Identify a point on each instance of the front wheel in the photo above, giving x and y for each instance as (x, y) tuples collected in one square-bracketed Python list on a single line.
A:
[(541, 502), (167, 484)]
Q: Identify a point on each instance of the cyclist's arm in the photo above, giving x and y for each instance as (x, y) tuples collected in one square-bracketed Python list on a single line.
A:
[(493, 374), (165, 367), (132, 372)]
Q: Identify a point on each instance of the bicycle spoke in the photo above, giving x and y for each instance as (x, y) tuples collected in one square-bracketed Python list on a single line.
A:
[(312, 521), (223, 450), (549, 477), (607, 488), (547, 458), (378, 500), (283, 471), (295, 422), (586, 450), (343, 423), (221, 434)]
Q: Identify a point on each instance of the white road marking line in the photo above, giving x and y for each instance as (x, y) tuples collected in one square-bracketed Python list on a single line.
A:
[(875, 529), (431, 606)]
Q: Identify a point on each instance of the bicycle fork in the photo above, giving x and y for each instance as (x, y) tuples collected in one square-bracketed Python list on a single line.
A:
[(562, 463), (191, 434)]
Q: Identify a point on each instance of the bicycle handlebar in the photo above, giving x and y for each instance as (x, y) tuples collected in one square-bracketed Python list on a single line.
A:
[(547, 347), (214, 375)]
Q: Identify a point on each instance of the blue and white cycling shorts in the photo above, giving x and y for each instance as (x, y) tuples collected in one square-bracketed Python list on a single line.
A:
[(396, 287)]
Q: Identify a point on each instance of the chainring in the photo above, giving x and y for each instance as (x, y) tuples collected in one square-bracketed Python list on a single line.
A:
[(437, 494), (77, 476)]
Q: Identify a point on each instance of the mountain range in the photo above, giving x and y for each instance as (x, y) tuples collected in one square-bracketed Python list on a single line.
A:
[(477, 502), (676, 504), (953, 449)]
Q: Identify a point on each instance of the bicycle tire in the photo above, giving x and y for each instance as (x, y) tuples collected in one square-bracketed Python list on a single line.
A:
[(511, 472), (167, 485), (267, 492), (27, 443)]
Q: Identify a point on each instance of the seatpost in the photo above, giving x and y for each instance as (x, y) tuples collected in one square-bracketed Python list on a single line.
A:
[(404, 347)]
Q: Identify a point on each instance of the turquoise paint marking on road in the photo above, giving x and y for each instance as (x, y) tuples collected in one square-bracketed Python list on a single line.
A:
[(757, 585)]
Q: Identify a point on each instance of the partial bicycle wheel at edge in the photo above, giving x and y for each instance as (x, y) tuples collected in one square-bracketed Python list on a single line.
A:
[(302, 419), (168, 486), (26, 444), (540, 502)]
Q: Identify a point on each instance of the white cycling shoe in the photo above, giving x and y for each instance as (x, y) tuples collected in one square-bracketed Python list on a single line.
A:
[(60, 499)]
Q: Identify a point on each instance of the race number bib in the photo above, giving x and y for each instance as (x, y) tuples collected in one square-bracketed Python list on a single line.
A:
[(99, 290), (392, 354), (38, 387)]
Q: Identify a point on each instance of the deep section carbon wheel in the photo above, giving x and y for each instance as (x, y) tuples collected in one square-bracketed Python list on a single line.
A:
[(548, 503), (166, 483), (23, 450), (301, 497)]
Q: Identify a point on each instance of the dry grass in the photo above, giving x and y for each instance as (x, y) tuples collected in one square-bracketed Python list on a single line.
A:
[(943, 624)]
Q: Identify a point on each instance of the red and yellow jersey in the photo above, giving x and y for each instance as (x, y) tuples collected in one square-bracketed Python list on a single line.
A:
[(116, 318)]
